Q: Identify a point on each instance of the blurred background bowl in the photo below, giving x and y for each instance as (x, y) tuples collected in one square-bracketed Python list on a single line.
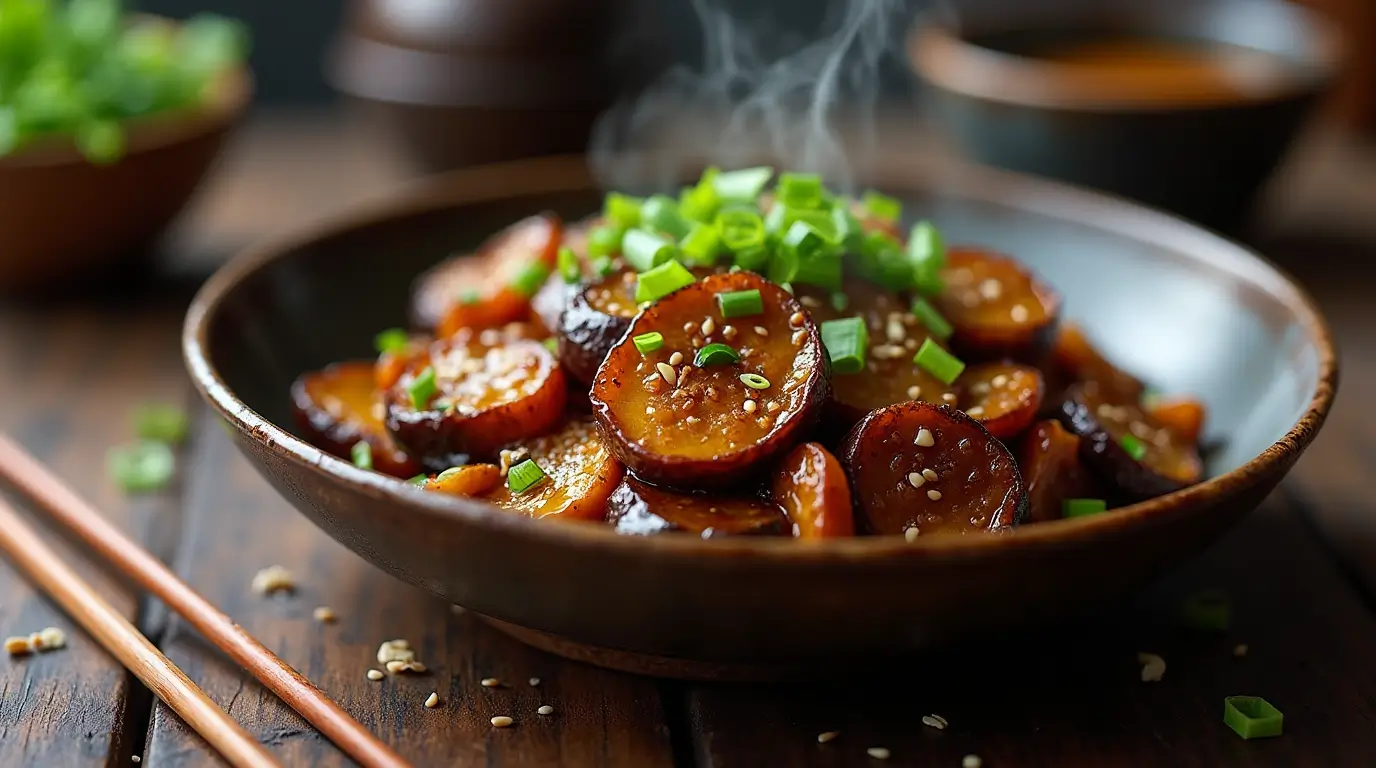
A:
[(63, 219), (1187, 105)]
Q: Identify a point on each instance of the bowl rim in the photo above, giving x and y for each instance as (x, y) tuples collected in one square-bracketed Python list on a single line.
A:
[(941, 53), (564, 174)]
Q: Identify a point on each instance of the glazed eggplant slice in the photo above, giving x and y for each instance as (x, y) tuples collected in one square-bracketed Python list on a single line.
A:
[(1127, 447), (1182, 416), (467, 396), (471, 480), (639, 509), (554, 296), (812, 488), (1004, 397), (1049, 459), (1074, 359), (998, 307), (338, 407), (580, 474), (716, 397), (487, 288), (930, 468), (595, 319)]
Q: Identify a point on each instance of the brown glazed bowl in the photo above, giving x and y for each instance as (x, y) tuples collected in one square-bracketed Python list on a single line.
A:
[(61, 218), (1186, 309)]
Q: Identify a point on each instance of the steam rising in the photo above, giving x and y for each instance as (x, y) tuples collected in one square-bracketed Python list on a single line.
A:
[(746, 102)]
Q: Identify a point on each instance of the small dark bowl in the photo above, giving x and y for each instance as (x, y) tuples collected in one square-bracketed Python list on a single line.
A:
[(1184, 309), (1204, 156)]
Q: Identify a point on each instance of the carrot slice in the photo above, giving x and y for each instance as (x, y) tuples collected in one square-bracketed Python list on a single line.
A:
[(998, 307), (471, 480), (811, 486), (1004, 397), (1184, 417), (580, 474), (1049, 459), (638, 509), (1126, 446), (339, 406), (1075, 359)]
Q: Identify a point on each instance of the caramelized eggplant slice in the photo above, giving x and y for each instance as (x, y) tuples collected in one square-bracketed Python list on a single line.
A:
[(890, 375), (484, 390), (580, 474), (1127, 447), (932, 468), (1182, 416), (1004, 397), (596, 317), (1074, 360), (1049, 459), (554, 296), (481, 290), (471, 480), (678, 419), (813, 490), (998, 307), (638, 509), (340, 406)]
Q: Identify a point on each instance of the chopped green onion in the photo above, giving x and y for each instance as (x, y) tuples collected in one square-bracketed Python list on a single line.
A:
[(524, 476), (803, 239), (740, 230), (800, 190), (932, 320), (754, 381), (648, 342), (715, 354), (840, 301), (1207, 610), (938, 362), (645, 250), (701, 202), (528, 281), (448, 473), (927, 255), (605, 240), (754, 259), (788, 288), (783, 266), (100, 141), (881, 261), (823, 224), (470, 296), (662, 281), (822, 269), (1252, 717), (742, 186), (741, 303), (881, 206), (622, 210), (702, 244), (391, 340), (419, 480), (847, 341), (163, 423), (603, 266), (552, 344), (848, 229), (1134, 446), (569, 268), (1082, 507), (362, 454), (147, 465), (660, 213), (422, 388)]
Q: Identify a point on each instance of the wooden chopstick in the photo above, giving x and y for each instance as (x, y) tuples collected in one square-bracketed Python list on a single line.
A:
[(127, 644), (35, 480)]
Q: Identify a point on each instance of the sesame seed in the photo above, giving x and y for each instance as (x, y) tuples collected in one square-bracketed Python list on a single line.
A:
[(878, 753), (888, 351), (970, 299), (916, 479), (796, 319), (749, 406), (980, 388), (971, 761), (1019, 313), (895, 329), (502, 721), (1000, 380), (991, 289), (649, 410), (911, 533), (826, 736), (676, 358), (761, 330), (914, 392), (1153, 667), (976, 412), (810, 302), (935, 721), (534, 682), (666, 372), (773, 406), (708, 326), (690, 327), (929, 474), (934, 495), (375, 674), (948, 397), (433, 700), (729, 332), (924, 438), (629, 278), (1240, 650), (325, 614), (545, 710), (491, 682)]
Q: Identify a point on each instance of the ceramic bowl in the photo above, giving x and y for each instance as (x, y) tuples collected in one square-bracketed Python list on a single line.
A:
[(1186, 309), (62, 218)]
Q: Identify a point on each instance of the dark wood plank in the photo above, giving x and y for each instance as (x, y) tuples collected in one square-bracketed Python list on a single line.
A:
[(1073, 696), (69, 376), (239, 525)]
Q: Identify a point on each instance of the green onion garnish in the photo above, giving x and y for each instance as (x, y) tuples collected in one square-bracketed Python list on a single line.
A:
[(741, 303), (803, 239), (161, 422), (881, 206), (927, 255), (622, 210), (422, 388), (783, 266), (938, 362), (419, 480), (1207, 610), (823, 269), (605, 240), (753, 259), (701, 202), (800, 190), (742, 186), (715, 354), (147, 465), (847, 341), (840, 301), (662, 281), (391, 340), (881, 261), (754, 381), (788, 288), (932, 320), (648, 342), (646, 250), (1252, 717), (1134, 446), (740, 230), (552, 344), (470, 296), (524, 476), (569, 268), (1082, 507), (362, 454), (702, 244), (448, 473), (530, 278), (660, 213), (603, 266)]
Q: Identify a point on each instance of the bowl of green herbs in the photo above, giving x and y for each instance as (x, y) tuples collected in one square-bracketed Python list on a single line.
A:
[(109, 121)]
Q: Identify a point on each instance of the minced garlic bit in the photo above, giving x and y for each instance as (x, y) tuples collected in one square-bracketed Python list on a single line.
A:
[(272, 579), (1240, 650), (924, 438), (971, 761), (395, 650), (491, 682), (826, 736), (325, 614), (375, 674), (935, 721), (545, 710), (433, 700), (534, 682), (878, 753), (1153, 667), (502, 721), (18, 646), (397, 667)]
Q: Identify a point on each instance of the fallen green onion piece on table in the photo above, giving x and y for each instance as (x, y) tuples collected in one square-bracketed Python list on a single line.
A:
[(161, 422), (147, 465), (1252, 717)]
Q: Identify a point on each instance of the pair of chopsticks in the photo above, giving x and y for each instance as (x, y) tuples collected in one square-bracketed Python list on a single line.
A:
[(27, 551)]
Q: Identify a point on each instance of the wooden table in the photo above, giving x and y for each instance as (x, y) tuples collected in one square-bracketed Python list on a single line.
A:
[(1301, 572)]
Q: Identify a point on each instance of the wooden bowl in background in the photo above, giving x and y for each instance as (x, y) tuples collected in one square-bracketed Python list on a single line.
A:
[(62, 218)]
